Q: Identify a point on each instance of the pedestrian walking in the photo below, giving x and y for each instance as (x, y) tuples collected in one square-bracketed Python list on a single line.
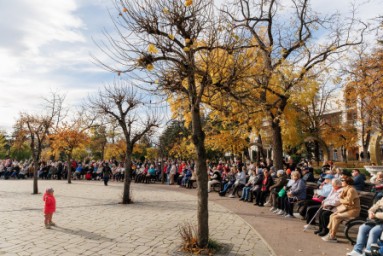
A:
[(106, 173)]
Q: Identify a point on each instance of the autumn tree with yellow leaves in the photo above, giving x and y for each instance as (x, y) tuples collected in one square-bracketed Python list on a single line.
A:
[(3, 145), (284, 38), (67, 138), (160, 44), (98, 140), (364, 94)]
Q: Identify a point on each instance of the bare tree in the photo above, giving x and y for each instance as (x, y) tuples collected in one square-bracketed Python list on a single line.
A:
[(37, 127), (120, 102)]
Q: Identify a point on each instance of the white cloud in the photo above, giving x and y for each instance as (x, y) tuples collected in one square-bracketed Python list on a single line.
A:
[(46, 47)]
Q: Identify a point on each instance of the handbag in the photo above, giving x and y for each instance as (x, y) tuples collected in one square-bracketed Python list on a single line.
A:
[(341, 208), (282, 192), (274, 191), (318, 199), (373, 222)]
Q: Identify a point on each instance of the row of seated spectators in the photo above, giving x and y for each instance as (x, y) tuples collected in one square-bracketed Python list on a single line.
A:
[(324, 203)]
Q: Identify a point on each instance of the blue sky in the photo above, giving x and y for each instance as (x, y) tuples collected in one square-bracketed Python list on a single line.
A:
[(47, 45)]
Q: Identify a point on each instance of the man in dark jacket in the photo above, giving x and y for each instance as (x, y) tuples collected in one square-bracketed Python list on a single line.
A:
[(307, 175), (358, 180)]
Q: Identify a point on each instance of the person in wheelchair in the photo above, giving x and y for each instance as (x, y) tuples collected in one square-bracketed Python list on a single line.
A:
[(240, 181), (229, 181), (215, 179), (370, 231)]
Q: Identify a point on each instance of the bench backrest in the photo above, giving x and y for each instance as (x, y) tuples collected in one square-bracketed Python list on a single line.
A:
[(366, 201), (310, 188), (368, 187)]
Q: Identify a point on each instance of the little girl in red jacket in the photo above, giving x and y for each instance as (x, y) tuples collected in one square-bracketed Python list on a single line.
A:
[(49, 207)]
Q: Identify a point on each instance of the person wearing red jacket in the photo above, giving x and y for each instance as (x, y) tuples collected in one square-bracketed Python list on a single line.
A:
[(49, 207)]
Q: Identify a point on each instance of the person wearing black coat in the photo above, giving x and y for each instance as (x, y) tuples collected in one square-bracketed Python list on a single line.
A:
[(265, 185)]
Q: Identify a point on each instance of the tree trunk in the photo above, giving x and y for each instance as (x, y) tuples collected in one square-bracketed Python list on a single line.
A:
[(102, 152), (345, 155), (258, 160), (162, 169), (202, 178), (316, 152), (69, 174), (365, 153), (366, 145), (126, 197), (277, 145), (261, 149), (35, 177)]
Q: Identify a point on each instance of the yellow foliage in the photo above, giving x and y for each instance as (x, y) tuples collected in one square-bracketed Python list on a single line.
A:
[(291, 134), (365, 87), (67, 140), (171, 36), (183, 150), (150, 67), (139, 149), (46, 154), (179, 106), (236, 117), (152, 153), (226, 141), (79, 153), (152, 49), (188, 2), (116, 150)]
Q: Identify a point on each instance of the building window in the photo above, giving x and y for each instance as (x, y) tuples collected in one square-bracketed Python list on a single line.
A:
[(335, 155)]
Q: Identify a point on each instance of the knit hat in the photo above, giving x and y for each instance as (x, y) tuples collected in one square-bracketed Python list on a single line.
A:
[(49, 190)]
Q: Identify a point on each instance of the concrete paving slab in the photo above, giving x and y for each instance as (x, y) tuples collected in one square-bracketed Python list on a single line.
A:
[(91, 222)]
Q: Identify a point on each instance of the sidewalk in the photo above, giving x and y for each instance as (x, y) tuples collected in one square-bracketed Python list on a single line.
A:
[(91, 222), (285, 236)]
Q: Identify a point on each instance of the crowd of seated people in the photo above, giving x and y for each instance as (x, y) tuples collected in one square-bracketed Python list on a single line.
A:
[(336, 198)]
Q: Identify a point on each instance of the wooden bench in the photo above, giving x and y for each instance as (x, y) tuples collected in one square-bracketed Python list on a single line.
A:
[(351, 227), (310, 188)]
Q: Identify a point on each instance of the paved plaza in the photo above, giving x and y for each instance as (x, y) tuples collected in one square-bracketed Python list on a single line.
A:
[(91, 222)]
